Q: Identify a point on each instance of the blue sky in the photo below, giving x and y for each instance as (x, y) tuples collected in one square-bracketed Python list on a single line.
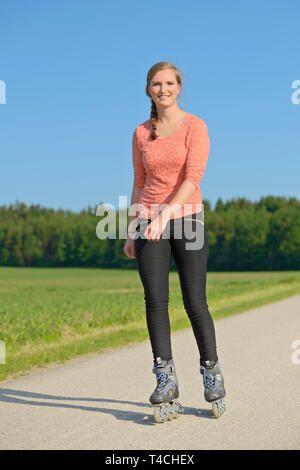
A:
[(75, 75)]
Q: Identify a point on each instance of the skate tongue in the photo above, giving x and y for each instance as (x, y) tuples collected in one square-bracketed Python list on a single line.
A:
[(158, 362), (163, 365), (208, 364)]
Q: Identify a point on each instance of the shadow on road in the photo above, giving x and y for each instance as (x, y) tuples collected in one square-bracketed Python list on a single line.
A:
[(23, 398)]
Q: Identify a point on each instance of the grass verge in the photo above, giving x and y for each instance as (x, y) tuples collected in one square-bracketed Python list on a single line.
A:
[(227, 293)]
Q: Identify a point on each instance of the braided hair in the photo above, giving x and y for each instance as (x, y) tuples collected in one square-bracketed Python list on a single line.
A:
[(153, 119)]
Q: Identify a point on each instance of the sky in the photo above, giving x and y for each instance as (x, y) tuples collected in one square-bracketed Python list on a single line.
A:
[(72, 91)]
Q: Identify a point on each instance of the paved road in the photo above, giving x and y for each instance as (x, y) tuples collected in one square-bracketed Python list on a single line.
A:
[(101, 401)]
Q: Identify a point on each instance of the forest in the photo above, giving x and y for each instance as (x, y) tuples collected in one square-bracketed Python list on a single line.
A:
[(242, 236)]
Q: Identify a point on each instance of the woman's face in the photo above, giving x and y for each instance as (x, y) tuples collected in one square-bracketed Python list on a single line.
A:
[(164, 88)]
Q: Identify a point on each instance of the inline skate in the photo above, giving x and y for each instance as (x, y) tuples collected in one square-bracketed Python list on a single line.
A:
[(214, 390), (166, 407)]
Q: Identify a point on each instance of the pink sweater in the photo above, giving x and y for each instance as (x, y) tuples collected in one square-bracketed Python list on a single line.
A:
[(161, 165)]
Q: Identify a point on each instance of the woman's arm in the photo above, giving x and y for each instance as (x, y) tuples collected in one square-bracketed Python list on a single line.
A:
[(183, 195), (135, 196), (198, 151), (157, 226)]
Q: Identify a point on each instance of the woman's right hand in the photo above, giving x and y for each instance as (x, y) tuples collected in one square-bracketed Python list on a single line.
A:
[(129, 248)]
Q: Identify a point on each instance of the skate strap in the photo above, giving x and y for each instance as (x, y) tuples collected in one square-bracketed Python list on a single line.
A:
[(213, 370), (163, 369)]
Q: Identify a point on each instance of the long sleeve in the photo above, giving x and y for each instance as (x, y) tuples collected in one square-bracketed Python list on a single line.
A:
[(198, 151), (138, 166)]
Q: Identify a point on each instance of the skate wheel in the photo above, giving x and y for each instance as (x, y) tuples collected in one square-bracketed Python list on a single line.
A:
[(157, 415), (218, 408), (160, 415), (167, 412)]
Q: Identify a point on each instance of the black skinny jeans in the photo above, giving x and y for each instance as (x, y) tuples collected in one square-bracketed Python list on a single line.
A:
[(153, 260)]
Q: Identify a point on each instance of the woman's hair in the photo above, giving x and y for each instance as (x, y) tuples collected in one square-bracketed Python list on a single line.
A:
[(153, 70)]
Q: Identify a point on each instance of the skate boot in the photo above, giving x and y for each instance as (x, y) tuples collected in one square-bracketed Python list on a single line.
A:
[(164, 396), (213, 381)]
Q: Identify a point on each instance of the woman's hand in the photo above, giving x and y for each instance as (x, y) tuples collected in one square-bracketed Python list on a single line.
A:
[(155, 228), (129, 248)]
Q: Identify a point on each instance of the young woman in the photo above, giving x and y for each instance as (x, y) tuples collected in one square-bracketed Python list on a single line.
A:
[(170, 152)]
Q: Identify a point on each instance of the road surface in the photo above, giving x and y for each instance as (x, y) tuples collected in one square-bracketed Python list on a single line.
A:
[(101, 401)]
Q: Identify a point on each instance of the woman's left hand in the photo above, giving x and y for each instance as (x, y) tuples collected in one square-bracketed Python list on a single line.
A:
[(156, 227)]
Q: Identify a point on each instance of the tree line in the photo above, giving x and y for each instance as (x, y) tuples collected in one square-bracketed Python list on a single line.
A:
[(242, 236)]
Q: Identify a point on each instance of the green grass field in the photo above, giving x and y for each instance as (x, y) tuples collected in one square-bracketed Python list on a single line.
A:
[(49, 315)]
